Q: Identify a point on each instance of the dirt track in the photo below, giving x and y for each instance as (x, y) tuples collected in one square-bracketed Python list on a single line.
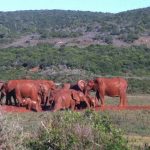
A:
[(5, 108)]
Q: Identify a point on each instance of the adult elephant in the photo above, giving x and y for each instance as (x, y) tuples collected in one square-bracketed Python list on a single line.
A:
[(28, 90), (9, 88), (114, 87), (47, 86), (67, 98)]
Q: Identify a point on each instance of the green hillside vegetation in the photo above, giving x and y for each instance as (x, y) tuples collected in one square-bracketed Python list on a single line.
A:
[(95, 60), (127, 26), (104, 60)]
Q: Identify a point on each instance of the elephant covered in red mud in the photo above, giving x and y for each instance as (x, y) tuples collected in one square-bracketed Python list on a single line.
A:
[(46, 87), (9, 88), (114, 87), (80, 86), (67, 98), (29, 92), (30, 104)]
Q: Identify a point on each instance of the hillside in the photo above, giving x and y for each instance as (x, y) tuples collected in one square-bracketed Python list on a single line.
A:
[(69, 64), (74, 28), (69, 45)]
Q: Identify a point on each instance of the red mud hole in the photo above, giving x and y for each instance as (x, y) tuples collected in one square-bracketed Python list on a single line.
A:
[(5, 108)]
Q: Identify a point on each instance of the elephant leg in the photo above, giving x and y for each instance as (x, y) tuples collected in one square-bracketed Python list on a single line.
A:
[(97, 98), (45, 102), (121, 102), (73, 105), (56, 108), (102, 101), (8, 99), (37, 108), (29, 105), (14, 98), (1, 99), (96, 102), (125, 101), (101, 94), (122, 98), (39, 104), (19, 98), (58, 105), (93, 102)]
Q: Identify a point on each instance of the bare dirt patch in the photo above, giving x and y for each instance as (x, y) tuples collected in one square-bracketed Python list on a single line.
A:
[(5, 108)]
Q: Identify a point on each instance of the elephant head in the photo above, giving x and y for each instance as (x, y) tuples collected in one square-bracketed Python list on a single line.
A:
[(44, 93), (87, 86), (30, 104), (91, 85), (79, 97)]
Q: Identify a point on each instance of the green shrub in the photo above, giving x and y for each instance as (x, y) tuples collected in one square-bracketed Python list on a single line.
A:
[(73, 130)]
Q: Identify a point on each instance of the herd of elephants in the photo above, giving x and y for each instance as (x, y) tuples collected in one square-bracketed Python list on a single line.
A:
[(38, 94)]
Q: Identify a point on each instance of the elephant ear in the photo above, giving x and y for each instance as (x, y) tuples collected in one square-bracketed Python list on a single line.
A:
[(81, 84)]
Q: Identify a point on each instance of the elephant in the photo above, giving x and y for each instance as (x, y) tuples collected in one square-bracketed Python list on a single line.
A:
[(46, 87), (113, 87), (30, 104), (79, 86), (67, 98), (61, 99), (9, 88), (28, 90)]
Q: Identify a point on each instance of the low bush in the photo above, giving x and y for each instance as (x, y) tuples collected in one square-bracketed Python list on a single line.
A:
[(74, 130)]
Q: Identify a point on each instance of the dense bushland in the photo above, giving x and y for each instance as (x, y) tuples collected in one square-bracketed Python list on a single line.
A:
[(93, 60), (60, 23), (104, 60)]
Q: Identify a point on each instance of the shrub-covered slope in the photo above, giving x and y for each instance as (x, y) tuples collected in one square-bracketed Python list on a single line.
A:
[(104, 27)]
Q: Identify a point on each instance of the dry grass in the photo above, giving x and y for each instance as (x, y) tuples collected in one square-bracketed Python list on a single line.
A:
[(132, 100), (134, 123), (137, 141)]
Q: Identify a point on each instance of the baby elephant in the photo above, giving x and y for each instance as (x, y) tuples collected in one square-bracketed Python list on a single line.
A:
[(30, 104), (67, 98)]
